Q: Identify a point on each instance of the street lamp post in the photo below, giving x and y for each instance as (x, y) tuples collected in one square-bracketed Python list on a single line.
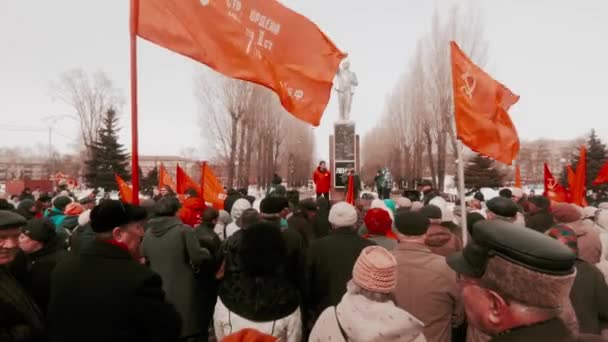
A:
[(51, 120)]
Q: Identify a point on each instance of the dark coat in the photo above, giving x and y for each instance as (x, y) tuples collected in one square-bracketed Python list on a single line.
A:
[(20, 318), (40, 265), (208, 239), (81, 236), (553, 330), (173, 251), (70, 222), (329, 266), (589, 296), (296, 256), (103, 294)]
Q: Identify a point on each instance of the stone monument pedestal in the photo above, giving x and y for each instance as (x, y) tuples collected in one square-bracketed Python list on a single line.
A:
[(343, 155)]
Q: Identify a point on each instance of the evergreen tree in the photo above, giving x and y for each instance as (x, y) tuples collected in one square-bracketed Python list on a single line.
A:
[(108, 157), (150, 181), (480, 172), (596, 157)]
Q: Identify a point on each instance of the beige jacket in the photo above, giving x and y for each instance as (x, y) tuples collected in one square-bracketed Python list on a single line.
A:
[(427, 288)]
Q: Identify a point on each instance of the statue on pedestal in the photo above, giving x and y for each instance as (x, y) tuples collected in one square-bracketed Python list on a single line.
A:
[(345, 86)]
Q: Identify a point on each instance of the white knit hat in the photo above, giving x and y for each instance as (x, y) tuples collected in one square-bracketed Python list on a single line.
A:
[(343, 214), (84, 218)]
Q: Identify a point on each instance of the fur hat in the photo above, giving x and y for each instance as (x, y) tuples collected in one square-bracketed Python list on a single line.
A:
[(110, 214), (238, 207), (432, 212), (273, 205), (502, 207), (566, 213), (84, 218), (343, 214), (42, 230), (412, 223), (376, 270)]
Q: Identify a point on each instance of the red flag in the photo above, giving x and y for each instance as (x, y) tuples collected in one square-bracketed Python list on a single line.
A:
[(260, 41), (184, 182), (164, 178), (577, 192), (213, 190), (553, 190), (602, 176), (517, 177), (350, 191), (480, 110), (126, 193), (571, 177)]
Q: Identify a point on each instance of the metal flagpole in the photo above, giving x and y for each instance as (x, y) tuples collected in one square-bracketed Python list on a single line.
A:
[(463, 207), (134, 109)]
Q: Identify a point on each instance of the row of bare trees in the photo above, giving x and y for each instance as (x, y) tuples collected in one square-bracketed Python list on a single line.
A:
[(250, 134), (415, 136)]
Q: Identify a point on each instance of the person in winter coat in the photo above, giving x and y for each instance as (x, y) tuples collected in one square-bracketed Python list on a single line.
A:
[(207, 281), (589, 293), (83, 233), (20, 318), (439, 238), (27, 208), (192, 208), (330, 260), (259, 297), (276, 187), (57, 213), (104, 293), (367, 311), (43, 250), (173, 251), (238, 208), (426, 286), (322, 179), (321, 220), (380, 228), (229, 249), (589, 245), (231, 197)]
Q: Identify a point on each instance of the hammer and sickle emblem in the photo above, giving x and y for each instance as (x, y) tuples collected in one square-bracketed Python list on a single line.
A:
[(469, 83)]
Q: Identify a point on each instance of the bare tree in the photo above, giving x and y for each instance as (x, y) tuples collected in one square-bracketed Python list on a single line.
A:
[(90, 96)]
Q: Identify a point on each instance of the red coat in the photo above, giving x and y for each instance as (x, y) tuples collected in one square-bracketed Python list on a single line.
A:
[(322, 180)]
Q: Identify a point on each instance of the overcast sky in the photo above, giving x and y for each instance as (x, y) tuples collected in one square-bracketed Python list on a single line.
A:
[(553, 53)]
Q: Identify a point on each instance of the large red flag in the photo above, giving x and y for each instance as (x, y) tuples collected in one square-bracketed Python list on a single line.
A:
[(184, 182), (260, 41), (578, 190), (553, 190), (213, 190), (602, 176), (480, 110), (517, 177), (126, 193), (164, 178)]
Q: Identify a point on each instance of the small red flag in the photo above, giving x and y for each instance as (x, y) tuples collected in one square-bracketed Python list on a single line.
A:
[(480, 110), (553, 190), (578, 190), (164, 178), (571, 177), (260, 41), (213, 190), (184, 182), (350, 190), (602, 176), (126, 193)]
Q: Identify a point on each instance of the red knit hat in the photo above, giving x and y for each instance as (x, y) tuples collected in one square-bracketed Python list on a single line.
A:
[(378, 222)]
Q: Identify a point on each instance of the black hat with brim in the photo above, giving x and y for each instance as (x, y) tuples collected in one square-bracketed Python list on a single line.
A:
[(11, 220), (110, 214), (518, 245), (502, 206)]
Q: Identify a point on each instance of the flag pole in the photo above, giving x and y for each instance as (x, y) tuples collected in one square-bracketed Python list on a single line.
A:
[(463, 207), (134, 111), (204, 166)]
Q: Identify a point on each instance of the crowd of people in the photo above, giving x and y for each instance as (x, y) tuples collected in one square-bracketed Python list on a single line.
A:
[(281, 268)]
